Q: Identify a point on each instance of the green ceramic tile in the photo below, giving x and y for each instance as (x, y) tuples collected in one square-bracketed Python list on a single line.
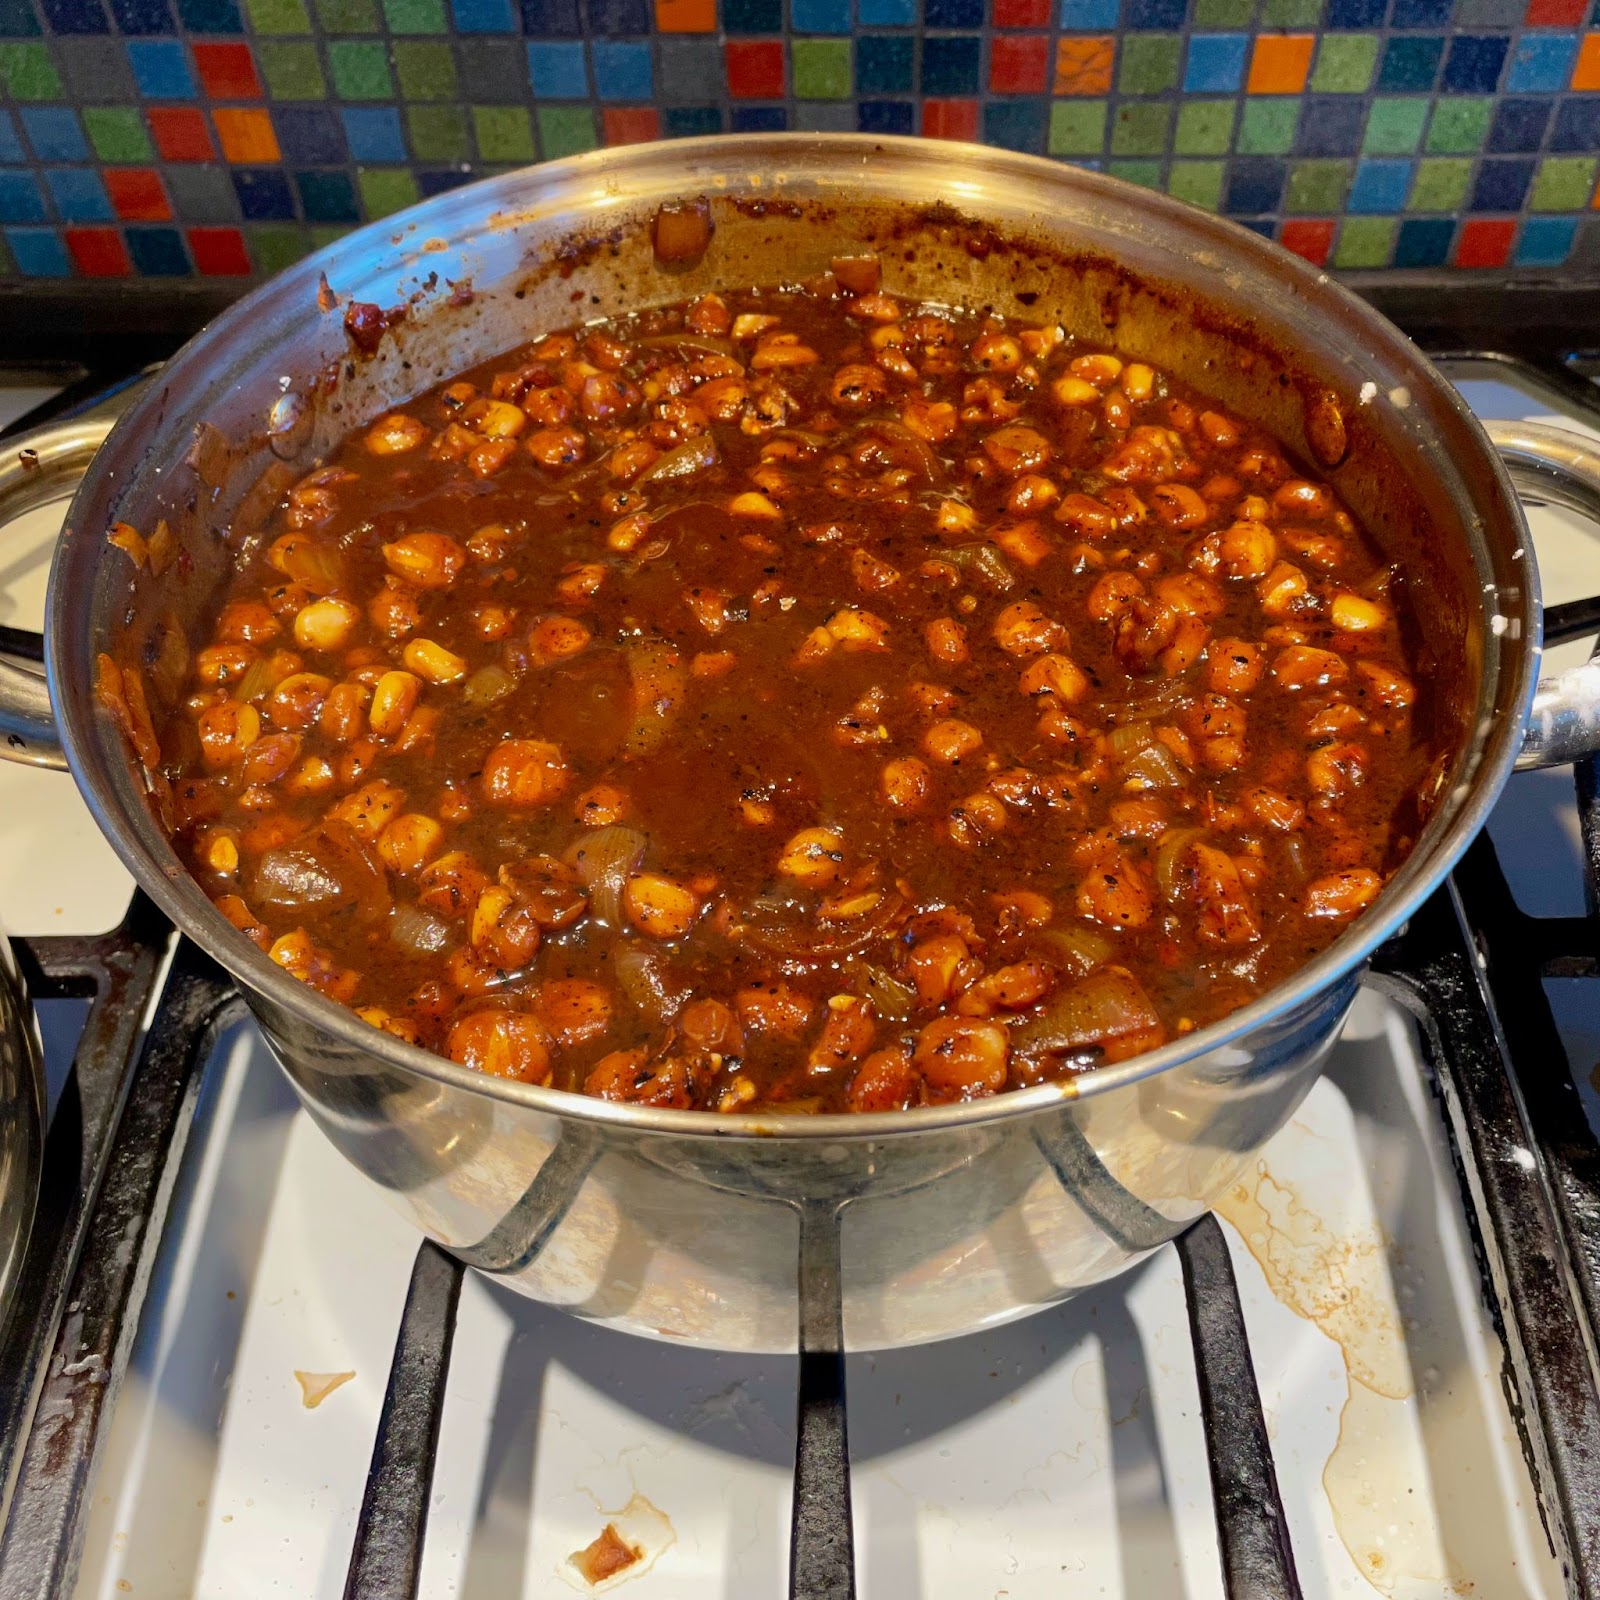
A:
[(1267, 126), (347, 16), (1205, 128), (360, 69), (1563, 183), (278, 16), (278, 245), (1440, 184), (425, 71), (1291, 13), (1459, 126), (28, 72), (1365, 242), (821, 68), (1077, 128), (1394, 125), (438, 133), (415, 16), (291, 69), (1140, 128), (1198, 182), (325, 233), (1223, 13), (385, 190), (504, 133), (1344, 63), (1147, 174), (1317, 187), (1149, 63), (117, 133), (565, 131)]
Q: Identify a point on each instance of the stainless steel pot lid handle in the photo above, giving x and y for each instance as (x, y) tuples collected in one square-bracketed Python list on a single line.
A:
[(1560, 468), (35, 469)]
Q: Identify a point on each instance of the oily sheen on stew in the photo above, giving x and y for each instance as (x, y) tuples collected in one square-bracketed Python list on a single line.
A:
[(797, 699)]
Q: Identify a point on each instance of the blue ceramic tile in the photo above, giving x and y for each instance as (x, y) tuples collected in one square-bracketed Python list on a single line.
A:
[(17, 20), (690, 122), (1519, 125), (482, 16), (1348, 14), (886, 116), (557, 71), (158, 252), (1424, 242), (1331, 125), (1421, 13), (1502, 185), (20, 200), (1410, 63), (209, 16), (79, 194), (309, 135), (374, 133), (1216, 63), (752, 16), (1546, 241), (161, 69), (1266, 229), (759, 119), (1090, 16), (74, 16), (10, 145), (264, 194), (950, 66), (142, 16), (1161, 15), (443, 180), (621, 71), (327, 197), (819, 16), (952, 13), (557, 17), (886, 13), (1473, 63), (1016, 124), (1542, 63), (884, 65), (617, 19), (1380, 187), (1577, 129), (38, 252), (1255, 184), (55, 133)]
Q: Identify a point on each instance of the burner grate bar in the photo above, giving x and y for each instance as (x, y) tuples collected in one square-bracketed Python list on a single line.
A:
[(1252, 1529)]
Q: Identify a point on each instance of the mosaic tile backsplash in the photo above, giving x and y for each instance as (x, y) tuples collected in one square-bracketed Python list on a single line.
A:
[(222, 139)]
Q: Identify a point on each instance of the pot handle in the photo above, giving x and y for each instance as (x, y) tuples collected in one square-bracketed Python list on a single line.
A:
[(1559, 468), (35, 469)]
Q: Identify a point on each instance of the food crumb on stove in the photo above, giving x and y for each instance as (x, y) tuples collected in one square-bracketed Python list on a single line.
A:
[(315, 1387), (608, 1555)]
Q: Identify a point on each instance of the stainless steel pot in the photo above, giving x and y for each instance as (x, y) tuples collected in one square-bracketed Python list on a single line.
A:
[(683, 1224)]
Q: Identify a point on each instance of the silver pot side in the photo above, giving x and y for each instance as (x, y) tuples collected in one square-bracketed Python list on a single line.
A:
[(683, 1224)]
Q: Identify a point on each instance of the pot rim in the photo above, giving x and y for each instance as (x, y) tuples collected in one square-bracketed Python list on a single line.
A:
[(1418, 877)]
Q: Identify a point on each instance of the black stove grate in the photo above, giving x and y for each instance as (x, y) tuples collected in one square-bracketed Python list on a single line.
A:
[(1470, 967)]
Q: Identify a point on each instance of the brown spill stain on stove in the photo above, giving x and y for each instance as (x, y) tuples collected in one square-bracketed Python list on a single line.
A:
[(1340, 1282), (315, 1387), (626, 1547)]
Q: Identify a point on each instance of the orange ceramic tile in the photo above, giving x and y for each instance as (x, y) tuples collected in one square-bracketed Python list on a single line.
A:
[(686, 16), (1280, 63), (1083, 66), (1586, 75), (246, 136)]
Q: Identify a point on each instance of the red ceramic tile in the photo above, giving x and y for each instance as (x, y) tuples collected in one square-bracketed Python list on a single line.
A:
[(219, 252), (181, 134), (755, 69), (1022, 13), (1556, 13), (950, 119), (99, 252), (630, 124), (1485, 242), (228, 71), (136, 194), (1018, 63), (1313, 240)]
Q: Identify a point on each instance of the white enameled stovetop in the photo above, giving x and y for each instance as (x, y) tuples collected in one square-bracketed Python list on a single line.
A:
[(1058, 1457)]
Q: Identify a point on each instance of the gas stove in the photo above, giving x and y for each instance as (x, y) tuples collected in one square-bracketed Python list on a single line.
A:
[(236, 1373)]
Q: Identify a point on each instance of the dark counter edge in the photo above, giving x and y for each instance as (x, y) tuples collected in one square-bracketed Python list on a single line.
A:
[(105, 326)]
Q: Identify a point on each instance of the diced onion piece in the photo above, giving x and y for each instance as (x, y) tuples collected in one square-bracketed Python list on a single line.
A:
[(1106, 1008)]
